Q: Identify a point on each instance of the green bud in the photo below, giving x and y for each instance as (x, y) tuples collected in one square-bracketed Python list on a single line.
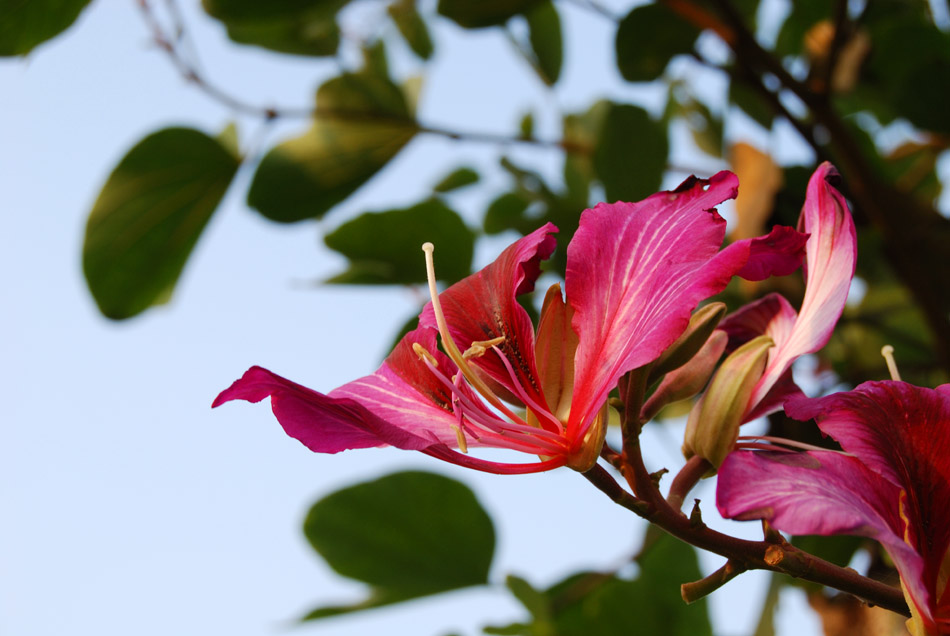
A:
[(701, 325), (713, 425), (689, 379)]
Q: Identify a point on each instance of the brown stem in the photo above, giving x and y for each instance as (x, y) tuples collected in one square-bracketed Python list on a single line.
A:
[(692, 592), (746, 555), (686, 479)]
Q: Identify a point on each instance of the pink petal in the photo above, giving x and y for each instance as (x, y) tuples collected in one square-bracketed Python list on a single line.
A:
[(902, 432), (779, 253), (322, 423), (635, 272), (831, 254), (820, 492), (484, 306)]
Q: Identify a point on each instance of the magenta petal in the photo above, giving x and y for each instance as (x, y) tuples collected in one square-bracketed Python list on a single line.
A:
[(779, 253), (831, 254), (820, 492), (483, 306), (902, 432), (635, 272), (323, 424)]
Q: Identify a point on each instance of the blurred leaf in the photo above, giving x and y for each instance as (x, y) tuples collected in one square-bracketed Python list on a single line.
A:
[(298, 27), (761, 179), (606, 605), (149, 216), (912, 167), (544, 34), (705, 128), (27, 23), (475, 14), (747, 100), (228, 138), (398, 259), (412, 27), (837, 549), (803, 16), (910, 65), (456, 179), (362, 122), (526, 126), (507, 213), (630, 155), (648, 38), (375, 61), (406, 535)]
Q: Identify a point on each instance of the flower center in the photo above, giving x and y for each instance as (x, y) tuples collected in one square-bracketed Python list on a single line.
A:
[(478, 420)]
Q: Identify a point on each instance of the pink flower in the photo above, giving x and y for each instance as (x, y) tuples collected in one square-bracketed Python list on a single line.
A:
[(635, 272), (830, 257), (893, 485)]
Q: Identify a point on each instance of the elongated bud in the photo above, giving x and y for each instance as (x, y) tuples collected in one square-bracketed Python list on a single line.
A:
[(689, 379), (713, 425), (701, 325), (586, 456)]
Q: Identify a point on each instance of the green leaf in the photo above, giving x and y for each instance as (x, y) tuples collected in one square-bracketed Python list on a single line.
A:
[(149, 216), (412, 27), (544, 34), (398, 259), (298, 27), (27, 23), (506, 213), (406, 535), (648, 38), (456, 179), (652, 602), (746, 99), (476, 14), (607, 605), (630, 155), (909, 65), (362, 122)]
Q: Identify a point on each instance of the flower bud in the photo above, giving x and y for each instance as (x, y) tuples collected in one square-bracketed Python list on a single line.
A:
[(701, 325), (689, 379), (713, 425)]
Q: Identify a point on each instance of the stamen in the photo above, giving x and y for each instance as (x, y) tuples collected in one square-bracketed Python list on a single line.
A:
[(450, 347), (463, 446), (888, 352), (424, 354), (770, 442), (538, 410), (479, 347)]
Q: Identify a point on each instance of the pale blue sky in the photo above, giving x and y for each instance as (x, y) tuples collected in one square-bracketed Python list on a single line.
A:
[(129, 506)]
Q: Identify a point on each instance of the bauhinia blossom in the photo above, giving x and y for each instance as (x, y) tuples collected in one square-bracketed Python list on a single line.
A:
[(635, 272), (830, 258), (745, 388), (892, 485)]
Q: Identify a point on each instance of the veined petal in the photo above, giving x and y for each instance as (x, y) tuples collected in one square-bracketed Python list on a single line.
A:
[(635, 272), (405, 393), (322, 423), (483, 306), (821, 492), (902, 432), (830, 257), (779, 253)]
